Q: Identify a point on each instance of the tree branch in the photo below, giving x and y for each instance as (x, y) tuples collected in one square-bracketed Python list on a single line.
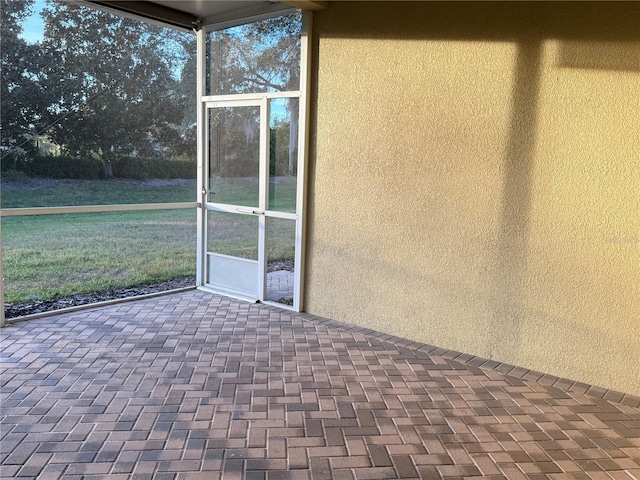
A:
[(263, 81)]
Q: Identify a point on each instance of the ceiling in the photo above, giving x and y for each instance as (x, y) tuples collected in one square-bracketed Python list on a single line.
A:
[(204, 8), (215, 13)]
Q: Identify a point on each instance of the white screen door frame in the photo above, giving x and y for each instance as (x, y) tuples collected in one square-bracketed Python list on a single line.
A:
[(237, 274), (227, 274)]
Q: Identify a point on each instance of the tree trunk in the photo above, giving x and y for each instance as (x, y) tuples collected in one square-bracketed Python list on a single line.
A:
[(107, 166), (293, 135)]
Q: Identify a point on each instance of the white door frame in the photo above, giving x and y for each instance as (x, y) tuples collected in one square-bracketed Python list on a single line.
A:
[(205, 102)]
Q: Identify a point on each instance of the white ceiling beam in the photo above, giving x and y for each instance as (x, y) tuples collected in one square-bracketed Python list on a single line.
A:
[(243, 15), (307, 4), (170, 18)]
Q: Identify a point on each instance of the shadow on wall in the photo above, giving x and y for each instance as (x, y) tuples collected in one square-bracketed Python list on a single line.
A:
[(508, 279), (512, 254), (612, 56), (573, 22)]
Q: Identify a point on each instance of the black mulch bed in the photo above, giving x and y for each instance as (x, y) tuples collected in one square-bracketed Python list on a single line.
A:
[(40, 306)]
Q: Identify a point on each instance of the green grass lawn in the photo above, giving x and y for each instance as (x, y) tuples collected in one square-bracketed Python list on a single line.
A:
[(50, 256)]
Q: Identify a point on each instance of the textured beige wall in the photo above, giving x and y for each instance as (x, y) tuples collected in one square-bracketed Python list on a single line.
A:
[(475, 180)]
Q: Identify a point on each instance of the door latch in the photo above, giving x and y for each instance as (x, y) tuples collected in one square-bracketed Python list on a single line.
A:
[(249, 211)]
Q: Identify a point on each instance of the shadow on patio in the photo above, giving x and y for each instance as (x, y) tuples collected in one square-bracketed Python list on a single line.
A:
[(199, 386)]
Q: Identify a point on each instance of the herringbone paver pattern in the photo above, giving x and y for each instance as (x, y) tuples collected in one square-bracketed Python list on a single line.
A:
[(203, 387)]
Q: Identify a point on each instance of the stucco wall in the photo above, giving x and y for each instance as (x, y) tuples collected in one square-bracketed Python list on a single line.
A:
[(475, 180)]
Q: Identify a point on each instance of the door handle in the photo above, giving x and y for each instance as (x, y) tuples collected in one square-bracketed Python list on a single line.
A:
[(250, 211)]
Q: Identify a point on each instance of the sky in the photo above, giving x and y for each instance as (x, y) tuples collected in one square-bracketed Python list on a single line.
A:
[(32, 28)]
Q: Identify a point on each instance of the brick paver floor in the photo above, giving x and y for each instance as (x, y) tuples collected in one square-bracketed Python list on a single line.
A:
[(199, 386), (280, 286)]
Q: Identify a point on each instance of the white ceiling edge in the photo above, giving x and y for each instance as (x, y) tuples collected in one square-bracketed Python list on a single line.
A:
[(132, 16), (246, 12)]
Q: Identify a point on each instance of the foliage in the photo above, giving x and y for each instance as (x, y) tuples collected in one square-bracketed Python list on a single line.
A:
[(104, 87), (279, 150), (18, 90), (97, 192), (262, 56), (234, 142), (110, 89), (89, 167), (142, 168), (257, 57), (13, 176), (98, 84), (57, 167), (186, 89)]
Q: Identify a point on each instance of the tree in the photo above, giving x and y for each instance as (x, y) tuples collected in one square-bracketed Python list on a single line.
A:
[(186, 44), (262, 56), (256, 57), (110, 83), (18, 90)]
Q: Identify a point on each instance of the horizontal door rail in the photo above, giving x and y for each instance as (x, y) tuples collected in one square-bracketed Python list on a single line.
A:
[(227, 208), (249, 96), (16, 212)]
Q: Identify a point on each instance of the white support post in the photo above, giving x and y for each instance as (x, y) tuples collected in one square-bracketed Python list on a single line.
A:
[(303, 155), (2, 321), (201, 255), (265, 116)]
